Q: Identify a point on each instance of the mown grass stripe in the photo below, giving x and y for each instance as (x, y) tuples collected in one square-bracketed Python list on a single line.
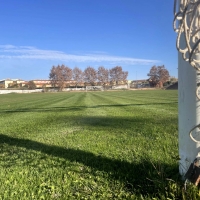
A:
[(92, 145)]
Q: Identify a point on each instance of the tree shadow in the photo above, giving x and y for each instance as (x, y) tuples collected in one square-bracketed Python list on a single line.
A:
[(77, 108), (139, 176)]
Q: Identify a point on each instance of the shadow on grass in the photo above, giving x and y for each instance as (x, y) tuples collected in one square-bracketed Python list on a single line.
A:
[(77, 108), (138, 177)]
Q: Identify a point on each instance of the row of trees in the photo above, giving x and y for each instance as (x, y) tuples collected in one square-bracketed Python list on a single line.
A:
[(59, 75)]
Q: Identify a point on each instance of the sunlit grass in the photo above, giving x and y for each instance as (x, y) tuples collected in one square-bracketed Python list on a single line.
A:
[(94, 145)]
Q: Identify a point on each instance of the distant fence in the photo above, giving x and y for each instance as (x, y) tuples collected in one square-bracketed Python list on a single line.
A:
[(96, 88), (115, 87), (74, 89), (140, 85), (118, 87), (19, 91)]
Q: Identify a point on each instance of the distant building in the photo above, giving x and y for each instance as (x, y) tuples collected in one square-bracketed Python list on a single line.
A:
[(18, 83), (9, 83), (42, 83), (47, 83)]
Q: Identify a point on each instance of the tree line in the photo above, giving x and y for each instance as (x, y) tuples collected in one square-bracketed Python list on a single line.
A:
[(61, 74)]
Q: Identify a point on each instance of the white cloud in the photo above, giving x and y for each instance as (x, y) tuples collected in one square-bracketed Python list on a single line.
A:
[(28, 52)]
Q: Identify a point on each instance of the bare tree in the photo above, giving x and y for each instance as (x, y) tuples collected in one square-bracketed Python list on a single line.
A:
[(90, 75), (103, 75), (117, 75), (67, 74), (59, 76), (124, 76), (158, 76), (53, 77), (77, 75), (31, 85)]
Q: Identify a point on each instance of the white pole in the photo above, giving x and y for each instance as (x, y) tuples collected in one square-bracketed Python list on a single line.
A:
[(188, 108), (188, 112)]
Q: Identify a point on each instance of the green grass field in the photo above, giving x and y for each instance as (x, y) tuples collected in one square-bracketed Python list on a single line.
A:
[(94, 145)]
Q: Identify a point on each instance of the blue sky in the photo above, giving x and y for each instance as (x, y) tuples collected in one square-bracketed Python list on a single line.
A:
[(134, 34)]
